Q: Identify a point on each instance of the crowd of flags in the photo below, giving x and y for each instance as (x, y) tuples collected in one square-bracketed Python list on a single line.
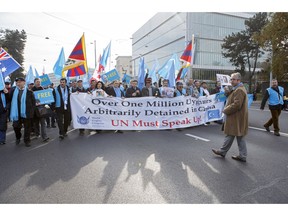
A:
[(76, 65)]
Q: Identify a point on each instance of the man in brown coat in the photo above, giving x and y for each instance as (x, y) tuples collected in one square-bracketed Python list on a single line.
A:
[(235, 119)]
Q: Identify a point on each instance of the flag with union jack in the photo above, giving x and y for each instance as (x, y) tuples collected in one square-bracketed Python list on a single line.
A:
[(7, 64), (76, 64)]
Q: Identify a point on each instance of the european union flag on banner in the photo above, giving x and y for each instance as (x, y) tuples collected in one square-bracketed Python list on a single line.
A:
[(213, 114), (7, 64)]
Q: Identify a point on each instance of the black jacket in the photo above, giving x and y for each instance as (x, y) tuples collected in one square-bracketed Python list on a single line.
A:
[(110, 91), (30, 102), (131, 90), (61, 108)]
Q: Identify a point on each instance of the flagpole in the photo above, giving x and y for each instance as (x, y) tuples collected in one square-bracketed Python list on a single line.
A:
[(110, 57), (191, 63), (95, 54)]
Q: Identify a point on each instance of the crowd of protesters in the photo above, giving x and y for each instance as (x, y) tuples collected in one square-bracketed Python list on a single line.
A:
[(19, 106)]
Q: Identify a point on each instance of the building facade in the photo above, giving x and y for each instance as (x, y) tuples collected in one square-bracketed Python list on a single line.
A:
[(168, 33), (123, 65)]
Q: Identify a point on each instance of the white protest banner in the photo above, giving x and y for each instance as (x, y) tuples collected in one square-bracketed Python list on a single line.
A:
[(144, 113), (223, 79)]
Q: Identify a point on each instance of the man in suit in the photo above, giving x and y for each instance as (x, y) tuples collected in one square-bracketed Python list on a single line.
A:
[(149, 90), (115, 90), (133, 91), (62, 107), (22, 110)]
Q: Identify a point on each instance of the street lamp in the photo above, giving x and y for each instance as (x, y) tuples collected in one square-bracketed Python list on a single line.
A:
[(95, 55)]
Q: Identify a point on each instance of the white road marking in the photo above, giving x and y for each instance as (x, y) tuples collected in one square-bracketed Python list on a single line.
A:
[(197, 137), (261, 129)]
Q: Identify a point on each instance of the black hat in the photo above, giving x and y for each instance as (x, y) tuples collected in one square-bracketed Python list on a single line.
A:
[(19, 79)]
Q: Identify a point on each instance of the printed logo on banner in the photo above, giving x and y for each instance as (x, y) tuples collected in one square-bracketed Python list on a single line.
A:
[(83, 120), (213, 114)]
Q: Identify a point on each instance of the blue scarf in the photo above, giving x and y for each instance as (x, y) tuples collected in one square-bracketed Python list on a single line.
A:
[(235, 87), (3, 100), (64, 96), (58, 101), (14, 105), (117, 92)]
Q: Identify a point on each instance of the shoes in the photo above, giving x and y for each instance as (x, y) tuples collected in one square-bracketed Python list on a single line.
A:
[(65, 135), (238, 158), (276, 133), (27, 144), (53, 126), (37, 136), (118, 131), (61, 137), (2, 143), (17, 141), (48, 126), (267, 129), (218, 153), (46, 139)]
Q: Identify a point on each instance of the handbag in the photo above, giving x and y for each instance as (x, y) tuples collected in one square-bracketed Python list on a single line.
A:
[(41, 111)]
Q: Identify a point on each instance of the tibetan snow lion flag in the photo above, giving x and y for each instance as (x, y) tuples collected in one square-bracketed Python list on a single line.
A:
[(187, 54), (76, 64)]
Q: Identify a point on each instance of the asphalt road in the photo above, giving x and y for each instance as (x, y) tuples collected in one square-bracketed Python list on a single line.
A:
[(147, 167)]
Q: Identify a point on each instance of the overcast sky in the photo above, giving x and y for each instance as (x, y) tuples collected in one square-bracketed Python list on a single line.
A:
[(65, 29), (101, 21)]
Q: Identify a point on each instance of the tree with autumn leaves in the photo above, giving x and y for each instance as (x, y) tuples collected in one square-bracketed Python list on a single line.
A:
[(273, 38), (265, 35)]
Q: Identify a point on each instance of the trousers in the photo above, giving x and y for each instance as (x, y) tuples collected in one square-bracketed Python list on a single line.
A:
[(228, 141), (275, 113)]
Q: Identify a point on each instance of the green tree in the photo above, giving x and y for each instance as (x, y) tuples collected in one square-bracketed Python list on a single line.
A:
[(13, 41), (240, 48), (274, 39)]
